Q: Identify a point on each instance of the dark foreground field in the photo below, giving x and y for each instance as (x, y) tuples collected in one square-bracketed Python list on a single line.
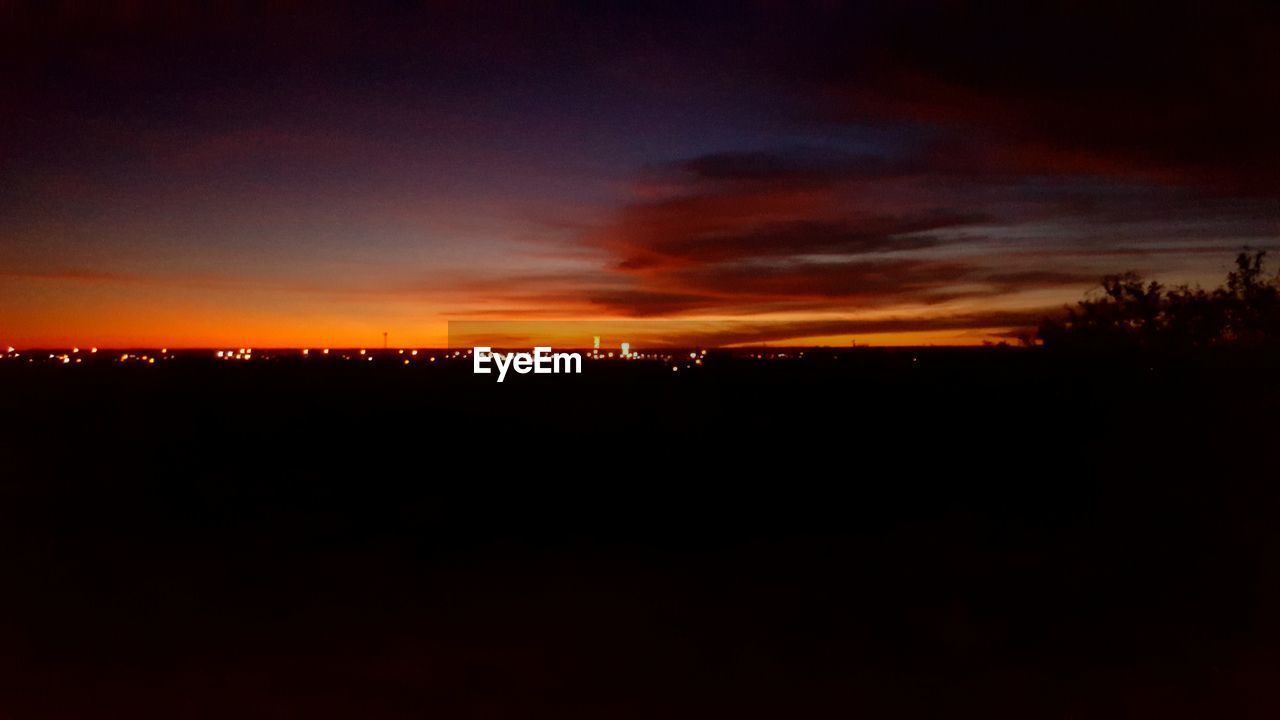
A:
[(986, 533)]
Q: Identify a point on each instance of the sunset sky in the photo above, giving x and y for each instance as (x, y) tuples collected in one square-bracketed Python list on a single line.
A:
[(776, 172)]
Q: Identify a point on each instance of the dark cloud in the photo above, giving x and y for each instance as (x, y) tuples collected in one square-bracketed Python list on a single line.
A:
[(799, 237), (1003, 324), (745, 288), (869, 283), (642, 303), (797, 166), (1182, 91), (750, 230), (1038, 278), (734, 206), (746, 226)]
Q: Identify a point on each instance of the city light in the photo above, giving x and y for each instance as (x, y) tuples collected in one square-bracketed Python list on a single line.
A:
[(672, 358)]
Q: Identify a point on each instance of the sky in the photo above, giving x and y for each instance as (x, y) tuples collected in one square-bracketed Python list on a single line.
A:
[(307, 174)]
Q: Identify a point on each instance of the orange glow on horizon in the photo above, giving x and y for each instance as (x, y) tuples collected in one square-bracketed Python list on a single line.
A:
[(67, 313)]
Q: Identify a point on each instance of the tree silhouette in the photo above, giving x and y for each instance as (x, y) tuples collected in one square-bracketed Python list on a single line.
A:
[(1134, 314)]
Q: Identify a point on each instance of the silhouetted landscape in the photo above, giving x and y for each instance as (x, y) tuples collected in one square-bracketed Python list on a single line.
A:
[(907, 360), (1005, 531)]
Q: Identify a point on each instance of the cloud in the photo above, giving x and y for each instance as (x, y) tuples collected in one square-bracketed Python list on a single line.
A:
[(851, 236), (761, 231), (1065, 87), (797, 166), (732, 206), (829, 159), (821, 286), (870, 283), (978, 205), (1001, 324), (1038, 278)]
